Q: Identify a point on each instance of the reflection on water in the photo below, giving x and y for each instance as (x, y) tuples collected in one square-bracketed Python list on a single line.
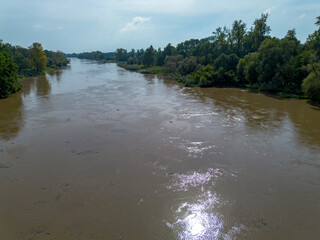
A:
[(12, 109), (43, 86), (58, 73), (39, 85), (183, 182), (11, 116), (199, 218)]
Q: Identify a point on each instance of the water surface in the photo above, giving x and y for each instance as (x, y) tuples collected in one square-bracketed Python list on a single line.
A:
[(97, 152)]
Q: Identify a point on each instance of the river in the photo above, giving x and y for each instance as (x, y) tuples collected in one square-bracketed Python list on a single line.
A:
[(97, 152)]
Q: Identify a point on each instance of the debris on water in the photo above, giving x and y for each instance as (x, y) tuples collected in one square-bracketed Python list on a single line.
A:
[(141, 201), (3, 166), (85, 152), (58, 197), (260, 223)]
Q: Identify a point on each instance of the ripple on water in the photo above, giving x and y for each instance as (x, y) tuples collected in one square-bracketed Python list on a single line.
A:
[(183, 182), (199, 218), (195, 149)]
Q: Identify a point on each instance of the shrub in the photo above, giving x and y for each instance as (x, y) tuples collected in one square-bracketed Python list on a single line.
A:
[(311, 86)]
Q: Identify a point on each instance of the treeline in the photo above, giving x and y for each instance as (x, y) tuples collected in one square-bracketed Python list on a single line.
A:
[(96, 55), (239, 56), (16, 61)]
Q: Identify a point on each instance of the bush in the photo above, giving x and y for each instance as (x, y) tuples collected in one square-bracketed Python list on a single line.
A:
[(8, 76), (311, 86)]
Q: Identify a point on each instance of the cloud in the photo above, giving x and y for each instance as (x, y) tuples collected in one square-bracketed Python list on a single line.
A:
[(136, 24), (37, 26), (302, 16), (269, 10)]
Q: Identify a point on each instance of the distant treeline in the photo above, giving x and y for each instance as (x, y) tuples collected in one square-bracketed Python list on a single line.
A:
[(16, 61), (97, 55), (238, 56)]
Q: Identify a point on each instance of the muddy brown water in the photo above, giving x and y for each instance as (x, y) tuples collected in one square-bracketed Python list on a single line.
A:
[(97, 152)]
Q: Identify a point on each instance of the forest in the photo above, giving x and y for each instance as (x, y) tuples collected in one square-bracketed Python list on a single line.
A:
[(236, 56), (17, 62), (96, 55), (239, 57)]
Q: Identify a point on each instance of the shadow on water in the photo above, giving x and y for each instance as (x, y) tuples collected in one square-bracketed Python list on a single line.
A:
[(315, 105), (40, 85), (12, 108), (57, 74), (43, 87), (11, 115)]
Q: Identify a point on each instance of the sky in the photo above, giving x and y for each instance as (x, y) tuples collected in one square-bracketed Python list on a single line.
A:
[(105, 25)]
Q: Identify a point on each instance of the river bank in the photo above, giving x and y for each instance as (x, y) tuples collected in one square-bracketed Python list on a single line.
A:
[(158, 70)]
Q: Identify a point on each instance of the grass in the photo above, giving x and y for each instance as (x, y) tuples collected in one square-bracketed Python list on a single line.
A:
[(141, 68), (152, 70), (133, 67)]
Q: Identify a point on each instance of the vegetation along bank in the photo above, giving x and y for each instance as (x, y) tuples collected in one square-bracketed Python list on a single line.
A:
[(237, 57), (17, 62)]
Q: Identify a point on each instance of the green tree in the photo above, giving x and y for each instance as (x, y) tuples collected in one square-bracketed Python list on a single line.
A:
[(8, 75), (220, 37), (238, 33), (149, 57), (38, 57), (261, 30), (121, 54), (257, 34), (313, 41), (311, 86), (241, 75)]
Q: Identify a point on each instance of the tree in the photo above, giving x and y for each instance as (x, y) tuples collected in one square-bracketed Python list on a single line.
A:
[(311, 86), (38, 57), (313, 41), (132, 60), (186, 48), (318, 21), (149, 57), (260, 31), (121, 54), (238, 33), (187, 65), (241, 75), (167, 51), (8, 75), (220, 37)]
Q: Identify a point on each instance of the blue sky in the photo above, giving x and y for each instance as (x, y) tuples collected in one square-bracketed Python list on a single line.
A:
[(88, 25)]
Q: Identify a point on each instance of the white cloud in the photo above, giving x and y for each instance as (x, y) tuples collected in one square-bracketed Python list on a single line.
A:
[(37, 26), (269, 10), (137, 23), (302, 16)]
